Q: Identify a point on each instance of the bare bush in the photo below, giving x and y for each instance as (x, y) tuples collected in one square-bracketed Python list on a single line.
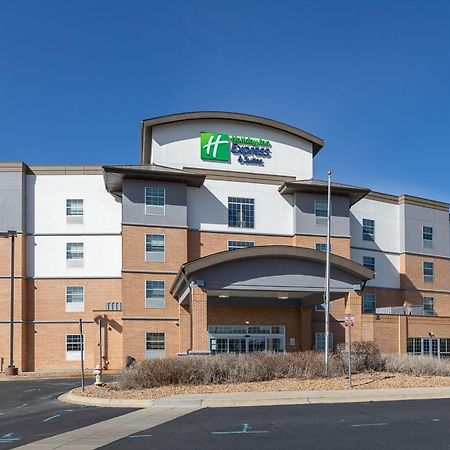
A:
[(366, 357), (416, 365), (227, 368)]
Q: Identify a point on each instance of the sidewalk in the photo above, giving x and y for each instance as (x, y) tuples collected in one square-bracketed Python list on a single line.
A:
[(236, 399)]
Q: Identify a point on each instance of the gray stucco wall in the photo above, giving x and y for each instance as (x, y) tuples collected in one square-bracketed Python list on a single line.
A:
[(133, 201), (283, 274), (305, 219), (12, 201)]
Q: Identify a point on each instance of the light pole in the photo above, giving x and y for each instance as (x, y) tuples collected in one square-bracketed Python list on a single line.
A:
[(327, 274), (11, 369)]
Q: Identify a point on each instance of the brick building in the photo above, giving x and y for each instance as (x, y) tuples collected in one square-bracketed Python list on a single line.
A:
[(214, 243)]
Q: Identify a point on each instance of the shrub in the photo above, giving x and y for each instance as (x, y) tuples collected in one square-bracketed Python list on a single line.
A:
[(227, 368), (366, 357), (417, 365)]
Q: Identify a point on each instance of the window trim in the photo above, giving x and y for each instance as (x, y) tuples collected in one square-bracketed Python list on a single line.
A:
[(163, 252), (427, 243), (145, 295), (330, 341), (367, 266), (368, 236), (364, 310), (75, 355), (234, 240), (81, 304), (427, 278), (431, 312), (253, 204), (158, 352), (82, 207), (162, 208)]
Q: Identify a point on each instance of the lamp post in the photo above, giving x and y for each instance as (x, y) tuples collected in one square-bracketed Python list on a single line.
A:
[(327, 274), (11, 369)]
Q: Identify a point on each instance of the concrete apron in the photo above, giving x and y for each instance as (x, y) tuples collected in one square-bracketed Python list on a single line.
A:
[(217, 400)]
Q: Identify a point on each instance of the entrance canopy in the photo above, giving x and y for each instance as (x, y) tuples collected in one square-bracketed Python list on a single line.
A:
[(276, 271)]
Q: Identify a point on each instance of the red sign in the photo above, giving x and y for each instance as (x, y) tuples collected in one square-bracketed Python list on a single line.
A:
[(349, 320)]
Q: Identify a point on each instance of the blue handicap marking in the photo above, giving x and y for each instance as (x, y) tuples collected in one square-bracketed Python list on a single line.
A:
[(246, 429), (8, 438)]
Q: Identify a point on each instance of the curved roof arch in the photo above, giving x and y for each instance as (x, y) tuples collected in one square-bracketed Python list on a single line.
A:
[(147, 124), (278, 251)]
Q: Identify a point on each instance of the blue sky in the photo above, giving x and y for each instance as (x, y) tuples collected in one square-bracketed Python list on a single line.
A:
[(371, 78)]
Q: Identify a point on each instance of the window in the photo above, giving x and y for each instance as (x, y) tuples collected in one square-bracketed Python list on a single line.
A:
[(74, 211), (427, 236), (368, 229), (234, 245), (241, 212), (321, 307), (414, 346), (155, 294), (428, 306), (75, 254), (321, 211), (73, 347), (74, 298), (155, 345), (322, 247), (155, 247), (155, 200), (369, 303), (369, 262), (428, 271), (320, 341)]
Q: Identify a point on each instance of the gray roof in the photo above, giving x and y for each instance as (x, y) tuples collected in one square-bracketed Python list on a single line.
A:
[(114, 175), (314, 186)]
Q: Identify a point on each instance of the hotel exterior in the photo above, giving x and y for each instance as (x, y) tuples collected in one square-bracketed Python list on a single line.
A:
[(214, 243)]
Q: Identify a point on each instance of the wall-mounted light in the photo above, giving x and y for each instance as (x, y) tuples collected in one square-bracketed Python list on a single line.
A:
[(283, 297), (247, 322), (223, 296)]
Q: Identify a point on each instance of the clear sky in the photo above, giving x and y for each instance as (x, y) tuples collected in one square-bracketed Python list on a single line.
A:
[(370, 77)]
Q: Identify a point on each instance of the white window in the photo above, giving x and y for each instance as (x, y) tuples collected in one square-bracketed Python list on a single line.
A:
[(74, 210), (241, 212), (234, 245), (73, 347), (428, 271), (321, 211), (155, 200), (369, 262), (427, 236), (75, 254), (320, 341), (155, 294), (74, 298), (369, 303), (428, 306), (368, 229), (155, 345), (155, 247)]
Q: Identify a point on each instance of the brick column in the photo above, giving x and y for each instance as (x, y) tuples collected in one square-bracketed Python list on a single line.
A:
[(402, 333), (353, 305), (305, 330), (199, 320), (185, 338)]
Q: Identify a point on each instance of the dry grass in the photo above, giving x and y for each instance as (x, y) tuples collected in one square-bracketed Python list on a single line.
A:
[(417, 365)]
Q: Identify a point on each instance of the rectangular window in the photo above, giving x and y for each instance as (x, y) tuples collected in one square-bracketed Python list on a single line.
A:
[(322, 247), (155, 294), (75, 254), (155, 247), (321, 211), (234, 245), (73, 347), (369, 303), (74, 211), (155, 200), (74, 298), (321, 307), (155, 345), (368, 229), (369, 262), (427, 236), (320, 341), (428, 271), (241, 212), (428, 306)]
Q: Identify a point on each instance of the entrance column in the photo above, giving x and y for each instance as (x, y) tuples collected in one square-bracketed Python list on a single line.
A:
[(353, 305), (199, 320), (185, 332)]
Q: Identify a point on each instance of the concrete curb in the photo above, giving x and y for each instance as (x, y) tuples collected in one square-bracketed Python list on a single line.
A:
[(218, 400)]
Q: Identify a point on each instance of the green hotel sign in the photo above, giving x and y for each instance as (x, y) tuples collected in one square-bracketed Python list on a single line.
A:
[(219, 147)]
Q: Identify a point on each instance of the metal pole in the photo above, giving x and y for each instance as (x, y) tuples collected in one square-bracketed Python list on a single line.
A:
[(327, 275), (11, 325), (82, 354), (100, 351), (349, 356)]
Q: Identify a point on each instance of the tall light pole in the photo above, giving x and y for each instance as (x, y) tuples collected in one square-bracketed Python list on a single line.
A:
[(327, 274), (11, 369)]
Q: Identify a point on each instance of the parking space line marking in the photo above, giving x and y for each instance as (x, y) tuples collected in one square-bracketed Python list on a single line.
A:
[(31, 390), (51, 418), (369, 424), (140, 436), (22, 406), (7, 439), (245, 430)]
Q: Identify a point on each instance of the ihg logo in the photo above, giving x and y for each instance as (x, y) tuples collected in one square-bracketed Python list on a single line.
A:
[(215, 146)]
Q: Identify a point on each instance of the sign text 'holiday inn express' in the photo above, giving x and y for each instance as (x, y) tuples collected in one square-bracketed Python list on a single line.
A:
[(219, 147)]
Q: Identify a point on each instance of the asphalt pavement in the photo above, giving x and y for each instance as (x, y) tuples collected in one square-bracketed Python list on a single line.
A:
[(30, 411), (408, 424)]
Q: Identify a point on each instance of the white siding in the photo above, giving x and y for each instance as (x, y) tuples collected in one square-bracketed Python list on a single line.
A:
[(208, 207)]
